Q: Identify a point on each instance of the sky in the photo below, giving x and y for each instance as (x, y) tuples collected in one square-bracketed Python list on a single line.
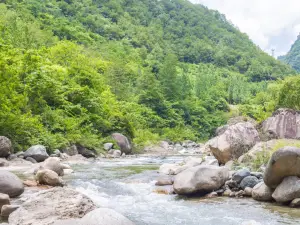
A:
[(271, 24)]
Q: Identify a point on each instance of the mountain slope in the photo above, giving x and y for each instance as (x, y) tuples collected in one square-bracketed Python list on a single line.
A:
[(293, 56), (76, 71)]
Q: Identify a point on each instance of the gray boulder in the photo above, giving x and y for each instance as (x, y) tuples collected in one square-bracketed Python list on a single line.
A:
[(117, 153), (71, 150), (284, 123), (287, 190), (262, 192), (5, 147), (122, 142), (221, 130), (10, 184), (239, 175), (171, 169), (3, 163), (108, 146), (37, 152), (47, 207), (162, 181), (249, 181), (200, 179), (234, 142), (295, 203), (284, 162), (48, 177), (101, 216)]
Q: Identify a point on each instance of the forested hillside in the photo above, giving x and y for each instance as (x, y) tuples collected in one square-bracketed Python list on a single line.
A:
[(293, 56), (76, 71)]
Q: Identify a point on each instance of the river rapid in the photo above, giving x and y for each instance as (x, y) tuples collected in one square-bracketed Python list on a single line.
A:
[(127, 186)]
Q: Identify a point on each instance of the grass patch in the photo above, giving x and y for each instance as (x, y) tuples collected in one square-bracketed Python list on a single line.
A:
[(136, 169)]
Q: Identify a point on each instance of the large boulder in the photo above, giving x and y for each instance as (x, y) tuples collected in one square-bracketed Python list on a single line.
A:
[(48, 177), (284, 123), (287, 190), (234, 142), (200, 179), (284, 162), (122, 142), (262, 192), (71, 150), (48, 206), (5, 147), (101, 216), (37, 152), (10, 184), (86, 152)]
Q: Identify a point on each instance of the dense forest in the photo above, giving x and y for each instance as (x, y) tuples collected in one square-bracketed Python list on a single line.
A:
[(293, 56), (76, 71)]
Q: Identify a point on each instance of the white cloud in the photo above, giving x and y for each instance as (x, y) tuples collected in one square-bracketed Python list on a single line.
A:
[(269, 23)]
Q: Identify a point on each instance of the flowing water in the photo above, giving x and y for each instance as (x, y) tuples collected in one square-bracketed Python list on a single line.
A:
[(127, 186)]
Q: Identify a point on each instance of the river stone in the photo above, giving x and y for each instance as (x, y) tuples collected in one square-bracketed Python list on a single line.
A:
[(88, 153), (5, 147), (239, 175), (262, 192), (53, 163), (249, 181), (30, 159), (200, 179), (162, 181), (171, 169), (100, 216), (248, 191), (10, 184), (234, 142), (284, 123), (117, 153), (295, 203), (3, 163), (37, 152), (284, 162), (122, 142), (287, 190), (192, 161), (4, 200), (48, 177), (108, 146), (46, 207), (71, 150), (8, 209)]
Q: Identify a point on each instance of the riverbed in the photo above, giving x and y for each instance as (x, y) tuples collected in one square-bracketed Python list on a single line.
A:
[(127, 186)]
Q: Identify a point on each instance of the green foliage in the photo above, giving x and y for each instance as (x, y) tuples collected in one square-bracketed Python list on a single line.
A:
[(293, 56), (76, 71)]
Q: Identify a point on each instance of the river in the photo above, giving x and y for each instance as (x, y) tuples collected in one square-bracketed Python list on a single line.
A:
[(127, 186)]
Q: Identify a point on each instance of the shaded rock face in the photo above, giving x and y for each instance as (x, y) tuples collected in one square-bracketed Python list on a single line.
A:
[(101, 216), (10, 184), (234, 142), (86, 152), (122, 142), (262, 192), (284, 123), (239, 175), (37, 152), (287, 190), (284, 162), (46, 207), (200, 179), (5, 147)]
